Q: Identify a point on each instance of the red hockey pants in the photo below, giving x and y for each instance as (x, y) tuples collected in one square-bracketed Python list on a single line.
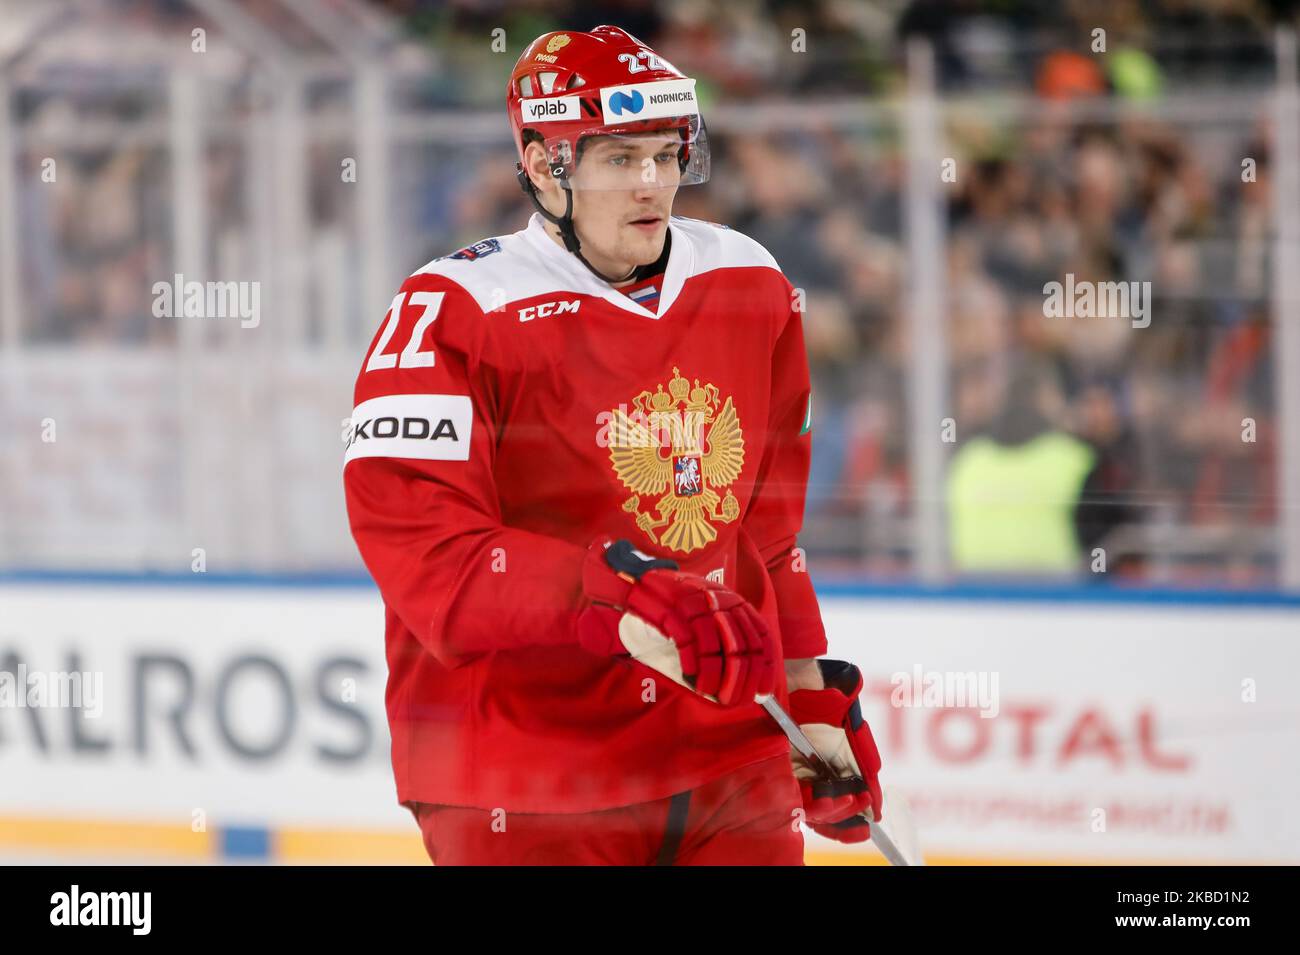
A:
[(744, 818)]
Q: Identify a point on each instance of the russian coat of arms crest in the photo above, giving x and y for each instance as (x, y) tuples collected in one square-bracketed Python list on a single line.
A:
[(682, 448)]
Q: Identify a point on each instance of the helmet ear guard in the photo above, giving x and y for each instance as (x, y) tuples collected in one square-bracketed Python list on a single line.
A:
[(564, 222)]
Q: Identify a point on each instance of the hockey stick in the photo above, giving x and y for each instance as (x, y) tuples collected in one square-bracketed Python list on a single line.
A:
[(800, 741)]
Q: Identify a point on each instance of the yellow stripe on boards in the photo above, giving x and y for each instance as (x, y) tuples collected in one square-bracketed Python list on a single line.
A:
[(104, 837), (326, 846)]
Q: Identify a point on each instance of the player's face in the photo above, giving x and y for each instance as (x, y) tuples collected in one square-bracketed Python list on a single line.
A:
[(622, 197)]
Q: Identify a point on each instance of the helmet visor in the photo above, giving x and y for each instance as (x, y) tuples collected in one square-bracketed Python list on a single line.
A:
[(665, 158)]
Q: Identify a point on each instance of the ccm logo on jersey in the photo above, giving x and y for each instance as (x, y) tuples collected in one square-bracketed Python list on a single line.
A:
[(429, 427), (548, 308)]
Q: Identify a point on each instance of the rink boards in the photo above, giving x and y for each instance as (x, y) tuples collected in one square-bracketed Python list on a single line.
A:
[(243, 719)]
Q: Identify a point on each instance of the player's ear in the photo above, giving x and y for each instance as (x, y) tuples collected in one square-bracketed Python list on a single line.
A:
[(538, 169)]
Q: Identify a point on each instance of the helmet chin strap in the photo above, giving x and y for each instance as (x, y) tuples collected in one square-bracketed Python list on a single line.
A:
[(565, 224)]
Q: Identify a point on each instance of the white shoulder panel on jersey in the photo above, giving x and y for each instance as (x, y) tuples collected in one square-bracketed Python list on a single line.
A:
[(498, 271), (720, 247), (504, 269)]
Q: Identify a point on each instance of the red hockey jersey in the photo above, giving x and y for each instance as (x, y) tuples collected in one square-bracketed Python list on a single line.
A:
[(513, 407)]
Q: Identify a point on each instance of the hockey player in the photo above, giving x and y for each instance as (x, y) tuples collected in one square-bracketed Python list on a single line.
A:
[(569, 438)]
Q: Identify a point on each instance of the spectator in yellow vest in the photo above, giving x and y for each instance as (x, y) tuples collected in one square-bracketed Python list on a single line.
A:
[(1013, 493)]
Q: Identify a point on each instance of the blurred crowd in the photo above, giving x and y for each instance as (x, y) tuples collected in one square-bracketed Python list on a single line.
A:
[(1032, 199), (738, 47)]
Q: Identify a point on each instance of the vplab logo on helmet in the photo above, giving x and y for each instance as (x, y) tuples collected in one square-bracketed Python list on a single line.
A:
[(550, 110), (649, 100)]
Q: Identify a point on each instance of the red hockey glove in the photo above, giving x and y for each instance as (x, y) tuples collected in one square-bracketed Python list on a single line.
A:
[(693, 630), (832, 720)]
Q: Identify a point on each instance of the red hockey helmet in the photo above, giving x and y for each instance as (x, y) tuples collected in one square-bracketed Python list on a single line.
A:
[(570, 86)]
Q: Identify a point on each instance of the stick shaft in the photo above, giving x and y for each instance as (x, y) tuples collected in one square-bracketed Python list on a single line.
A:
[(804, 746)]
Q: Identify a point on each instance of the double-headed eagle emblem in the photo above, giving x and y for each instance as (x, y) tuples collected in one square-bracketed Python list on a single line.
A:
[(684, 445)]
